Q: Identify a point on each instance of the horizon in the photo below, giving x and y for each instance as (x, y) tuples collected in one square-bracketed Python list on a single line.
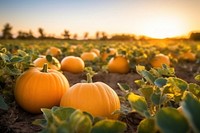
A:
[(151, 18)]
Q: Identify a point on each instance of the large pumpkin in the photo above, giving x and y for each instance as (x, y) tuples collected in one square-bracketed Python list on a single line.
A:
[(118, 64), (72, 64), (96, 98), (36, 89), (159, 60), (54, 64)]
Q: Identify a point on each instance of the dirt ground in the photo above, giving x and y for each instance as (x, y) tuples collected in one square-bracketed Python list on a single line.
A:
[(16, 120)]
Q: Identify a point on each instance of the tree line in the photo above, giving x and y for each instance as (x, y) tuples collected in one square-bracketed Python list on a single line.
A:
[(7, 34)]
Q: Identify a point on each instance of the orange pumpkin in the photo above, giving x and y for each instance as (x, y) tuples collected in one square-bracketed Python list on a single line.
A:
[(188, 56), (54, 64), (118, 64), (96, 51), (88, 56), (159, 60), (53, 51), (106, 54), (72, 64), (36, 89), (96, 98)]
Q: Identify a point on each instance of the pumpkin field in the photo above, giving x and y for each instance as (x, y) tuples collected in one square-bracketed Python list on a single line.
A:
[(99, 86)]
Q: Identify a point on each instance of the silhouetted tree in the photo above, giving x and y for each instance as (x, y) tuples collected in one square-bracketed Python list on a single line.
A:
[(123, 37), (85, 35), (195, 36), (25, 35), (41, 32), (104, 36), (75, 36), (97, 35), (66, 34), (6, 32)]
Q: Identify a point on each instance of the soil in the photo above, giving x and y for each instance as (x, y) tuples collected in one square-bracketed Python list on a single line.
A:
[(16, 120)]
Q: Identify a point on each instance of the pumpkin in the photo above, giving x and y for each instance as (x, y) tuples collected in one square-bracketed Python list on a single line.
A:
[(159, 60), (88, 56), (96, 51), (188, 56), (53, 64), (95, 98), (107, 53), (118, 64), (40, 88), (72, 64), (53, 51)]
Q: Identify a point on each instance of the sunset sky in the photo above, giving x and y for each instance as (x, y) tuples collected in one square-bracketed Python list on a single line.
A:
[(154, 18)]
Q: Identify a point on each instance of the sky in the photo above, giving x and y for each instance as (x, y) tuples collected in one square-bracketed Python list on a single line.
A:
[(153, 18)]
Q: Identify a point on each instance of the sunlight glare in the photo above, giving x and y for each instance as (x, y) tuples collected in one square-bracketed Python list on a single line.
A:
[(163, 27)]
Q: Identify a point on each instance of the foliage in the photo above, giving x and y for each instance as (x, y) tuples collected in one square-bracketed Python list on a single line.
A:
[(69, 120), (161, 94)]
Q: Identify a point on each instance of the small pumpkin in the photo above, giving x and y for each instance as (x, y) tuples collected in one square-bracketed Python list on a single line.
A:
[(52, 64), (88, 56), (96, 51), (188, 56), (107, 53), (95, 98), (159, 60), (72, 64), (53, 51), (118, 64), (40, 88)]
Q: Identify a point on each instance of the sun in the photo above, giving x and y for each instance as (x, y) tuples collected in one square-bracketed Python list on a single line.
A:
[(163, 27)]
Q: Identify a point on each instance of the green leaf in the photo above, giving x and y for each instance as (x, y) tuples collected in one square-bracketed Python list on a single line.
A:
[(170, 120), (139, 104), (147, 126), (49, 58), (195, 89), (62, 113), (197, 77), (160, 82), (148, 76), (156, 98), (124, 87), (191, 109), (146, 92), (3, 105), (40, 122), (80, 122), (139, 69), (16, 59), (177, 82), (21, 53), (4, 57), (109, 126), (47, 115)]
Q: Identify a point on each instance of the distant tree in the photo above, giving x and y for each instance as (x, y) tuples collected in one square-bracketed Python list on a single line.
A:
[(75, 36), (41, 32), (6, 32), (85, 36), (25, 35), (123, 37), (104, 36), (195, 36), (97, 35), (66, 34)]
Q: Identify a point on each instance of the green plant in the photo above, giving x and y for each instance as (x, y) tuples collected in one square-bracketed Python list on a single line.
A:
[(69, 120), (160, 94)]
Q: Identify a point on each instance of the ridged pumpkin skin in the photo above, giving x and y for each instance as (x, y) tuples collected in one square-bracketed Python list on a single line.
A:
[(72, 64), (53, 51), (118, 64), (96, 98), (160, 59), (35, 89), (88, 56), (39, 62)]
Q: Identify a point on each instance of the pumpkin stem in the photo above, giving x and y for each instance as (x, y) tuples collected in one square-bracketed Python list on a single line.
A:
[(89, 78), (45, 68)]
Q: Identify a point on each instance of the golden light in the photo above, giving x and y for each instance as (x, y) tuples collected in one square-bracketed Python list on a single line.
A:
[(163, 27)]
